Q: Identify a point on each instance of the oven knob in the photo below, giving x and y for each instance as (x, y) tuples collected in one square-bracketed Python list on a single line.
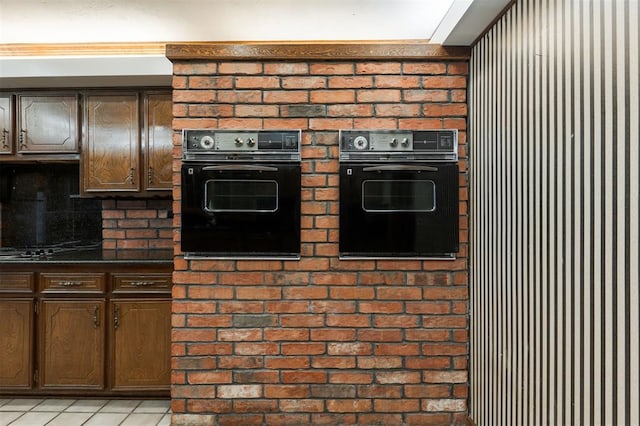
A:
[(405, 142), (251, 142), (239, 141), (360, 143), (206, 142), (394, 142)]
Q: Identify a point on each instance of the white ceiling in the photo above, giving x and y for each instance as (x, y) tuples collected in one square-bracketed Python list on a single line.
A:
[(448, 22)]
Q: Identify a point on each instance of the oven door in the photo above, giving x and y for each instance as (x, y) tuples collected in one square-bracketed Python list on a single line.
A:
[(241, 210), (398, 210)]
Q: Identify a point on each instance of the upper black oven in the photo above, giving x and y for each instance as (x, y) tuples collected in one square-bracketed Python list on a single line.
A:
[(241, 194), (398, 194)]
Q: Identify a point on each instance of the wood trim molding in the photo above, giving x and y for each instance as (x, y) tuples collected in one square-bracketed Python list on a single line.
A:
[(82, 49), (339, 50)]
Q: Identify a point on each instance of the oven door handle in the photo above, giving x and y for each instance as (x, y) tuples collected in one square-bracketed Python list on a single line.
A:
[(242, 168), (400, 168)]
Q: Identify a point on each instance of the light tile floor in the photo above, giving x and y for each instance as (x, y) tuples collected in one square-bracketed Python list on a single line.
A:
[(91, 412)]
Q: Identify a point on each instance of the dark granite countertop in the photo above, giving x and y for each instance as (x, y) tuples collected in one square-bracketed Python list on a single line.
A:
[(96, 255)]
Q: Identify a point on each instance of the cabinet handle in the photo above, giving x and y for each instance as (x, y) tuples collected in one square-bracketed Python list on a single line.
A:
[(116, 317), (150, 176), (21, 139), (70, 283), (96, 321), (141, 283), (5, 133), (131, 178)]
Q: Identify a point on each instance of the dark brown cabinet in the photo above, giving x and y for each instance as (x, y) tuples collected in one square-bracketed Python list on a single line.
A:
[(6, 123), (111, 143), (72, 339), (85, 330), (119, 154), (141, 344), (47, 123), (158, 141), (16, 335)]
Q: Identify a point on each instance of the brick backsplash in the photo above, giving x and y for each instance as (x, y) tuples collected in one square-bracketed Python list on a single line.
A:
[(320, 340), (136, 224)]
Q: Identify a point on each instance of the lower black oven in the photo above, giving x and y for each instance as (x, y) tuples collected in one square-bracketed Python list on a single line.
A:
[(397, 199), (241, 205)]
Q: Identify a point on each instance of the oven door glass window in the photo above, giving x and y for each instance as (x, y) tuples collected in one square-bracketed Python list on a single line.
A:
[(398, 195), (244, 195)]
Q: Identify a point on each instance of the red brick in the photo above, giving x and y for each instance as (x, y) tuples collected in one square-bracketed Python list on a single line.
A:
[(256, 348), (357, 293), (193, 68), (286, 334), (239, 68), (333, 362), (287, 419), (404, 321), (208, 406), (332, 96), (210, 82), (351, 82), (398, 110), (381, 307), (396, 405), (286, 68), (288, 362), (303, 348), (399, 293), (256, 111), (444, 349), (210, 110), (307, 82), (380, 362), (396, 349), (331, 68), (258, 293), (458, 68), (444, 82), (348, 405), (445, 110), (380, 391), (334, 419), (286, 391), (354, 378), (351, 348), (427, 391), (428, 335), (301, 405), (445, 376), (378, 68), (254, 406), (209, 321), (424, 419), (208, 377), (449, 321), (240, 335), (286, 96), (378, 95), (238, 420), (376, 335), (424, 68), (304, 376), (428, 307), (193, 96), (350, 110), (393, 81), (444, 405), (399, 377), (251, 82)]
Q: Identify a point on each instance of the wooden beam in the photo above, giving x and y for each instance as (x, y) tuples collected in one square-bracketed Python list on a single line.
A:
[(338, 50), (82, 49)]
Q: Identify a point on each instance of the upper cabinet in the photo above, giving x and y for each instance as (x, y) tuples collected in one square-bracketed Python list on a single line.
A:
[(158, 140), (6, 123), (110, 154), (47, 123), (127, 143)]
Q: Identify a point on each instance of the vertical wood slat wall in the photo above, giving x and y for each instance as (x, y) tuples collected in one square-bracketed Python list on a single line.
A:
[(554, 160)]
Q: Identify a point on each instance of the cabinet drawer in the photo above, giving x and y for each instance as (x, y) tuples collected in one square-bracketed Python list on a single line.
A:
[(16, 282), (59, 283), (128, 283)]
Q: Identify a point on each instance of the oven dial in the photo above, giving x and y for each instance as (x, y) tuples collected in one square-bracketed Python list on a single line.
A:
[(360, 143), (206, 142), (239, 141), (251, 141), (394, 142), (405, 142)]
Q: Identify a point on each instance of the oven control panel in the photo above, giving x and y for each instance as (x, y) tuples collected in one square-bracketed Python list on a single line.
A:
[(403, 144), (235, 141)]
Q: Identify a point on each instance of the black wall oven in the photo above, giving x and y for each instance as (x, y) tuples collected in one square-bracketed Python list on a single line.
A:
[(398, 194), (241, 194)]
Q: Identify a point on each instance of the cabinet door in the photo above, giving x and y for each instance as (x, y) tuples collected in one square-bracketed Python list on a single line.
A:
[(159, 140), (48, 124), (110, 155), (141, 344), (6, 119), (72, 337), (16, 336)]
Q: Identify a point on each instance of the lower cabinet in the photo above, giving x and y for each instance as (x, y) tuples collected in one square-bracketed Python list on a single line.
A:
[(85, 333), (72, 342), (16, 337), (141, 345)]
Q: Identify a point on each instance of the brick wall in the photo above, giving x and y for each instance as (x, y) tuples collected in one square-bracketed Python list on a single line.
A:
[(136, 224), (320, 340)]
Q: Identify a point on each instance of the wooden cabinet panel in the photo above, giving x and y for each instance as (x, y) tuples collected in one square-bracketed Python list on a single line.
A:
[(72, 339), (16, 336), (6, 124), (141, 344), (158, 113), (48, 123), (51, 282), (16, 282), (148, 283), (110, 155)]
